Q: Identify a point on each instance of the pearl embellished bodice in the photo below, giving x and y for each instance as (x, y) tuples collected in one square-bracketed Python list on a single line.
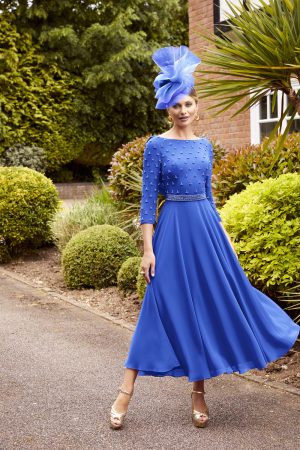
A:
[(178, 167)]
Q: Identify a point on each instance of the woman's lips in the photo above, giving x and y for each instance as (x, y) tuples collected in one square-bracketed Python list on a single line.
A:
[(183, 118)]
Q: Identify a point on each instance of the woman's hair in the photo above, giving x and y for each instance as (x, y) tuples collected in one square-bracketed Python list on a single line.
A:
[(194, 94)]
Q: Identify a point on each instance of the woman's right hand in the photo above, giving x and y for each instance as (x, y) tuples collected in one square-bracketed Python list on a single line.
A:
[(148, 265)]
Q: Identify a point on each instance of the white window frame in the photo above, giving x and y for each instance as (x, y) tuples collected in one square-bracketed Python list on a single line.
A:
[(255, 120)]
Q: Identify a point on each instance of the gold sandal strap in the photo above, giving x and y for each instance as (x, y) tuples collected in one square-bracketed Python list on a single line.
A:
[(198, 392), (116, 415), (198, 414), (124, 392)]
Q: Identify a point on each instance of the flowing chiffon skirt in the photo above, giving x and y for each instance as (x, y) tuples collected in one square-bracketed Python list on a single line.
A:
[(200, 315)]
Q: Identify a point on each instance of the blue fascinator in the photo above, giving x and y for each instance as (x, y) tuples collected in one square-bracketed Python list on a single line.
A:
[(175, 80)]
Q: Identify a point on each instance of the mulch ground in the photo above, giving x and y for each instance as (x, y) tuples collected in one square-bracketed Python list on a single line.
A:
[(42, 266)]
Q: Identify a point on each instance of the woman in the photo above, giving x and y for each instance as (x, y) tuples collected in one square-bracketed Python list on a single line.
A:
[(200, 316)]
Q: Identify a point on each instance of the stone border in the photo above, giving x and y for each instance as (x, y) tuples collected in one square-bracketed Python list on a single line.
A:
[(124, 324)]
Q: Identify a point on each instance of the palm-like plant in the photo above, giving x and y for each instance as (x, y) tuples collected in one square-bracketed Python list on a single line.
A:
[(261, 54), (292, 296)]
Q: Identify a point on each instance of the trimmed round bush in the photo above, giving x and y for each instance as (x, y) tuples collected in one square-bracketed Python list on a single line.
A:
[(264, 223), (141, 285), (93, 257), (28, 201), (127, 275)]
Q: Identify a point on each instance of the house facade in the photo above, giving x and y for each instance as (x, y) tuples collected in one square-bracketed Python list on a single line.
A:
[(248, 127)]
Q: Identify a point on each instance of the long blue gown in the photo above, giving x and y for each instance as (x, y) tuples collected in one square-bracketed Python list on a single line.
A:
[(200, 315)]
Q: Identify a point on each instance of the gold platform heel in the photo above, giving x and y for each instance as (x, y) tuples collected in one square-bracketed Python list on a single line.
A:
[(199, 418), (117, 419)]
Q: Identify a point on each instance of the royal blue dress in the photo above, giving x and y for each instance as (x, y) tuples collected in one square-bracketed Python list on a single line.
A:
[(200, 315)]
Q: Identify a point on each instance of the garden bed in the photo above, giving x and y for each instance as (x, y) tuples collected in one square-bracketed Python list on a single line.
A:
[(42, 267)]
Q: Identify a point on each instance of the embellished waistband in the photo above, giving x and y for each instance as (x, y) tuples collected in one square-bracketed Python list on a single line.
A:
[(185, 197)]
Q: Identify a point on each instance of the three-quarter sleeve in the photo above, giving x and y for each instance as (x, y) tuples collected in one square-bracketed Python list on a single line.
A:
[(208, 187), (150, 182)]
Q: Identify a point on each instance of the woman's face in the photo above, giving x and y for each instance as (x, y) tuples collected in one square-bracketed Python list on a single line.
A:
[(184, 112)]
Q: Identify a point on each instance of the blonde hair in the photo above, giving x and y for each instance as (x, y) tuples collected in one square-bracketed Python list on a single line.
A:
[(194, 94)]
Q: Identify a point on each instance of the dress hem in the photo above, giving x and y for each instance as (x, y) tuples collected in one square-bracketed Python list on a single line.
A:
[(177, 371)]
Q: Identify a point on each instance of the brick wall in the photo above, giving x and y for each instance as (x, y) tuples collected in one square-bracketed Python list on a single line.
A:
[(230, 132)]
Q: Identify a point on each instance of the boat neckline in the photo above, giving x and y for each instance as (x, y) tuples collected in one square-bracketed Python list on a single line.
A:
[(173, 139)]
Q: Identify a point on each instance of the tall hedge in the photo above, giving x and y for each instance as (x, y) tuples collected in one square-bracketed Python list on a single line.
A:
[(37, 100)]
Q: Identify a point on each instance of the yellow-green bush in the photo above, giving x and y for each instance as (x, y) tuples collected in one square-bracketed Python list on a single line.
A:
[(93, 257), (264, 223), (28, 201), (127, 275)]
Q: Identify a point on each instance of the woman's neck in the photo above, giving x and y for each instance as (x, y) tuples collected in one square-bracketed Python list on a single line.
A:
[(180, 133)]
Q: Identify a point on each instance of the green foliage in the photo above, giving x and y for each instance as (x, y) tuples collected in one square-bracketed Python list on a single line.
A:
[(25, 156), (252, 163), (98, 209), (5, 256), (37, 101), (127, 275), (93, 257), (291, 296), (94, 155), (264, 223), (126, 164), (106, 48), (141, 285), (28, 201)]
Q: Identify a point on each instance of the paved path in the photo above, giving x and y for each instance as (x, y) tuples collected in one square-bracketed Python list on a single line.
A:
[(59, 372)]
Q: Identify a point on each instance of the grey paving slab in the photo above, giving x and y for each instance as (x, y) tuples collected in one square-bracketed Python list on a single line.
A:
[(60, 369)]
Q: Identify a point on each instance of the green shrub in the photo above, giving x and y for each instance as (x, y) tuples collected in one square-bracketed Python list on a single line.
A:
[(128, 158), (94, 155), (93, 257), (5, 256), (61, 175), (28, 201), (238, 168), (98, 209), (39, 102), (127, 275), (141, 285), (25, 156), (264, 224)]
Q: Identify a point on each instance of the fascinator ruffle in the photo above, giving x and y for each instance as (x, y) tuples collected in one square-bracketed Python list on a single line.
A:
[(175, 80)]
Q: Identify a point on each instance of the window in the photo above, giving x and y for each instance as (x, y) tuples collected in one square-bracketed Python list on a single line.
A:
[(263, 119), (221, 11)]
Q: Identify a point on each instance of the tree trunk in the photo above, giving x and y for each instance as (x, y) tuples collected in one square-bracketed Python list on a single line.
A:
[(294, 99)]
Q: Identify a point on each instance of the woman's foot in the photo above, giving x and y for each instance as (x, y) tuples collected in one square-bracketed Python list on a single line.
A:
[(120, 406), (199, 402), (200, 412)]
